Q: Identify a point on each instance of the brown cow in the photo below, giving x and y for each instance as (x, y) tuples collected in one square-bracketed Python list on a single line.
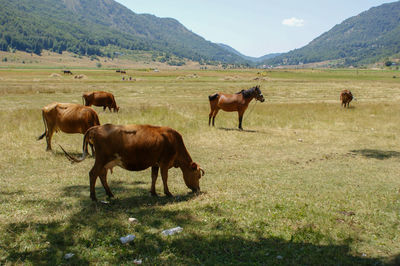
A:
[(346, 97), (100, 98), (67, 117), (136, 148)]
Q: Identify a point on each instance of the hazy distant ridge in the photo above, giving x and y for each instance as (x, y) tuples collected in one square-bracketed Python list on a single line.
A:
[(249, 58), (366, 38)]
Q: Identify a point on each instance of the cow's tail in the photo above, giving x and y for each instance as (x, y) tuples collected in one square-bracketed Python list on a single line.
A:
[(85, 152), (45, 127), (83, 100), (96, 120), (213, 97)]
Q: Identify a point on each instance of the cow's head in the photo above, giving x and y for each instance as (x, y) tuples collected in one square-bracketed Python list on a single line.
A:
[(192, 176)]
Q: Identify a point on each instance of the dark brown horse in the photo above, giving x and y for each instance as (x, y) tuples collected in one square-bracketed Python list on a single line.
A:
[(237, 102), (346, 97)]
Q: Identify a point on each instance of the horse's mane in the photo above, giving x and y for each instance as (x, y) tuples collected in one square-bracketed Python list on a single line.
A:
[(247, 93)]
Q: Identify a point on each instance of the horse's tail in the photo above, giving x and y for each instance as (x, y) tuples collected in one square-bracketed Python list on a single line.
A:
[(45, 127), (213, 97)]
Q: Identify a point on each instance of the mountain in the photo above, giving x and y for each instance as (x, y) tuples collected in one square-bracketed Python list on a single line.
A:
[(249, 58), (363, 39), (88, 27)]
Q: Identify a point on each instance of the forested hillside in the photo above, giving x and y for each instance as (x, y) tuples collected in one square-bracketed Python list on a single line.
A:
[(85, 27), (366, 38)]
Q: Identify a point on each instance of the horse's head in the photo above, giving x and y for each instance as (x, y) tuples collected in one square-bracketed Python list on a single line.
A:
[(258, 95)]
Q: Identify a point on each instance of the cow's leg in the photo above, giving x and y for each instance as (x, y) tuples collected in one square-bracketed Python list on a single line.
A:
[(49, 135), (164, 175), (154, 175), (93, 174), (92, 148), (103, 179), (214, 115)]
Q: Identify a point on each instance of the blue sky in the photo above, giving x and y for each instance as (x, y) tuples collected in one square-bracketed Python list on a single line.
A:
[(256, 27)]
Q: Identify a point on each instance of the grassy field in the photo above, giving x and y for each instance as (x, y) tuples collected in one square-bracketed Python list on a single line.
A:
[(307, 182)]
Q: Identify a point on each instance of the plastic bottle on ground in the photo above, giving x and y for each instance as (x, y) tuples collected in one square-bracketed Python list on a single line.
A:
[(172, 231)]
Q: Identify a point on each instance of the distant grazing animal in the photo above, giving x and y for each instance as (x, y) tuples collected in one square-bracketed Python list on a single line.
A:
[(123, 72), (136, 148), (237, 102), (67, 117), (118, 71), (67, 72), (346, 97), (100, 98)]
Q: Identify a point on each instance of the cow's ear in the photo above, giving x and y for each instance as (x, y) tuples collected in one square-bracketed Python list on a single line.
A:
[(194, 165)]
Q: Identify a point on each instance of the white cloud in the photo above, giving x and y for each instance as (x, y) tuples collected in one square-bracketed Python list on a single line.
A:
[(293, 22)]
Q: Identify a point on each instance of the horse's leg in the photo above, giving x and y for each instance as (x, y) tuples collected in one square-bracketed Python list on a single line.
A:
[(213, 107), (214, 115), (240, 113), (209, 117), (240, 121), (104, 108)]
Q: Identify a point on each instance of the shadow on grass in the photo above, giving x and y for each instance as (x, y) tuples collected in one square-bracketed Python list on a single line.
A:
[(239, 130), (377, 154), (93, 233), (350, 107), (75, 154)]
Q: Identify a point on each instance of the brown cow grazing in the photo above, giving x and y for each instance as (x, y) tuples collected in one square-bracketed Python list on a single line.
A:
[(67, 117), (136, 148), (346, 97), (100, 98)]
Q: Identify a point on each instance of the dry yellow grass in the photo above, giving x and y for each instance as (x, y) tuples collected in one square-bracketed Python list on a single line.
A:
[(308, 183)]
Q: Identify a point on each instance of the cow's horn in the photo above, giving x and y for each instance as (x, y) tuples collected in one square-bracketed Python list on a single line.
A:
[(202, 171)]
